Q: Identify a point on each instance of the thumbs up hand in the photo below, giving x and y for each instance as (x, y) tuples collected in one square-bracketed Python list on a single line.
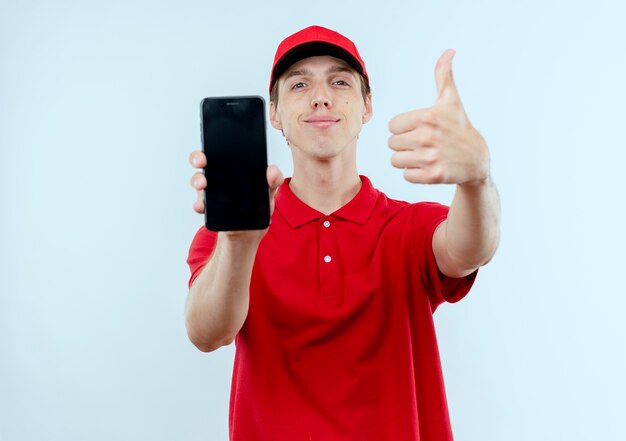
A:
[(439, 145)]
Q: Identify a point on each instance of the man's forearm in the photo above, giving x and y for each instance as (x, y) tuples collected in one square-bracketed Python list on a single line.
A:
[(472, 231), (217, 303)]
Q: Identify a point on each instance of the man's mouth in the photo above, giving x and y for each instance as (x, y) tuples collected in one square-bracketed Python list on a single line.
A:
[(321, 122)]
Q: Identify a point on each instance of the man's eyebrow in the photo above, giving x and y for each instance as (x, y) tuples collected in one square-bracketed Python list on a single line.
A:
[(305, 72), (339, 68), (298, 72)]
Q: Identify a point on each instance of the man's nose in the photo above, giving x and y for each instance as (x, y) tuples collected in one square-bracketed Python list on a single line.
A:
[(321, 98)]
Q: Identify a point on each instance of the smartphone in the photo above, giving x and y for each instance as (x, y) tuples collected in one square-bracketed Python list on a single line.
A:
[(234, 141)]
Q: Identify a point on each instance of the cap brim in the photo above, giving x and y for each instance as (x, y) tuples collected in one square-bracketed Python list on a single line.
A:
[(312, 49)]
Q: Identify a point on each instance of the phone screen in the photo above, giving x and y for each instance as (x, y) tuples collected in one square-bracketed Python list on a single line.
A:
[(235, 145)]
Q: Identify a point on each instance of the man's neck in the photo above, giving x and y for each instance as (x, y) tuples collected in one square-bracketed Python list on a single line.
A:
[(325, 185)]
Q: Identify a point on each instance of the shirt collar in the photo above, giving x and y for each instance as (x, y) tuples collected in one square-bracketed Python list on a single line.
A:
[(297, 213)]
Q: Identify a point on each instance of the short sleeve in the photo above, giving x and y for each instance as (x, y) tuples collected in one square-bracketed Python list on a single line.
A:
[(200, 250), (440, 288)]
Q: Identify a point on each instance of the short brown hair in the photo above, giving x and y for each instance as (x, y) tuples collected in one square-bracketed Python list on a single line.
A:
[(365, 89)]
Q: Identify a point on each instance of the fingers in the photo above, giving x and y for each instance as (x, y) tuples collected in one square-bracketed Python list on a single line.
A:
[(198, 206), (198, 181), (407, 121), (415, 152), (423, 136), (414, 159), (431, 175), (197, 159)]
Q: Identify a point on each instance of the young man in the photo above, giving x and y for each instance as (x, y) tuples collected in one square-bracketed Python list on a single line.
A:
[(331, 306)]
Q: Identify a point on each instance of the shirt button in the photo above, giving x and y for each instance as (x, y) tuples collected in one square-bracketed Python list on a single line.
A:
[(326, 224), (327, 259)]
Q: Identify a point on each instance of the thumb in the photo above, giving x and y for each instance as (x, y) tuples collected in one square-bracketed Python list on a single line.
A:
[(274, 178), (446, 88)]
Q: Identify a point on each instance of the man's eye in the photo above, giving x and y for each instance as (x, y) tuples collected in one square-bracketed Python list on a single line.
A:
[(341, 83), (298, 86)]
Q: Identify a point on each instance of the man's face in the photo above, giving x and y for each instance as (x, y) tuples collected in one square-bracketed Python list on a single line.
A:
[(320, 107)]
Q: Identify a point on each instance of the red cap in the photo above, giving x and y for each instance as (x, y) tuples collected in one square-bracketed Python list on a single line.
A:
[(313, 41)]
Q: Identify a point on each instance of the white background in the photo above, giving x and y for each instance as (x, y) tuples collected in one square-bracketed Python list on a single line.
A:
[(99, 106)]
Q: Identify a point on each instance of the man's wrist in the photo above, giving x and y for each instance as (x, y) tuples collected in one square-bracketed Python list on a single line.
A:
[(477, 183), (241, 238)]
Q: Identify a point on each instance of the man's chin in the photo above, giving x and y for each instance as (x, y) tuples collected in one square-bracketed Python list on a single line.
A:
[(322, 152), (320, 149)]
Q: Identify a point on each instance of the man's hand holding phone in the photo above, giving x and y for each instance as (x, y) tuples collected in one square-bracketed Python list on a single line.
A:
[(198, 160)]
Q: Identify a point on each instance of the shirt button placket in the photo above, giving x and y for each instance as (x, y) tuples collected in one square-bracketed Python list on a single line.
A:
[(328, 267)]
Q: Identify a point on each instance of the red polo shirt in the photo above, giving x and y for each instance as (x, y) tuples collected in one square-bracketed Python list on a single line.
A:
[(339, 341)]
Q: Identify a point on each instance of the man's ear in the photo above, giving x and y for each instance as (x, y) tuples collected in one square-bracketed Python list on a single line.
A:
[(274, 119), (369, 111)]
